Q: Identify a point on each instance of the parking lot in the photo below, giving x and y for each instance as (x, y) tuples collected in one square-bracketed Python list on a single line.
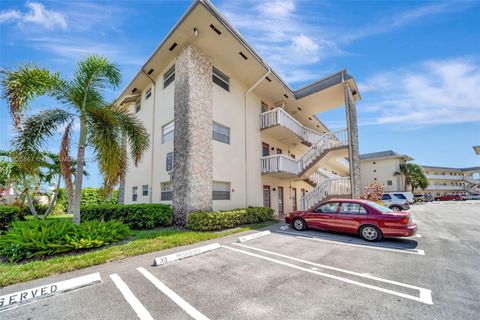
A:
[(290, 275)]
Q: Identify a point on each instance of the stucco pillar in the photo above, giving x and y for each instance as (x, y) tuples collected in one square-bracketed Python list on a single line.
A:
[(192, 164), (353, 148)]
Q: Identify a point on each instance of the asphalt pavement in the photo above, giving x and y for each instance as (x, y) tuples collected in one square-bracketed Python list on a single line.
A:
[(289, 275)]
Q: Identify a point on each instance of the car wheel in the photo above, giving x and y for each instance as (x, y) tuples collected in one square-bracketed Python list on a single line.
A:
[(396, 208), (370, 233), (299, 224)]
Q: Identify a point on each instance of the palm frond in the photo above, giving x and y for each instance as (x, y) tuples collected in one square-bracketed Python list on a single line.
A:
[(136, 134), (22, 85), (36, 132)]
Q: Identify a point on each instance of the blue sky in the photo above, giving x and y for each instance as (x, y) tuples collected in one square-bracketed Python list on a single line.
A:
[(417, 63)]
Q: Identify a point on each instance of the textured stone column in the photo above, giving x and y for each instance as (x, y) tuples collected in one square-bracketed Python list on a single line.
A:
[(353, 148), (192, 164)]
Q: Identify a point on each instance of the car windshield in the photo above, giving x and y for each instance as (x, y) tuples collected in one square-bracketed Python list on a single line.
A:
[(379, 207)]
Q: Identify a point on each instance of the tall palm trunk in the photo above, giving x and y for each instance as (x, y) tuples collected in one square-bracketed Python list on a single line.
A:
[(79, 172)]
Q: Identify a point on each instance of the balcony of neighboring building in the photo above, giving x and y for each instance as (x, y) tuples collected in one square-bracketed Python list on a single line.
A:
[(445, 187)]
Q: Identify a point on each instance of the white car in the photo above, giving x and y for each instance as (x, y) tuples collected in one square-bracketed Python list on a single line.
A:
[(471, 197), (402, 196), (395, 203)]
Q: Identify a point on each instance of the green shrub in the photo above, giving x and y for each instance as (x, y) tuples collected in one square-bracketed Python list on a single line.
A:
[(27, 239), (209, 221), (136, 216), (90, 197), (7, 215)]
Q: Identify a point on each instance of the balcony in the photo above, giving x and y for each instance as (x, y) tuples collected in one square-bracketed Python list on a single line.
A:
[(332, 144), (444, 177), (442, 187), (282, 125)]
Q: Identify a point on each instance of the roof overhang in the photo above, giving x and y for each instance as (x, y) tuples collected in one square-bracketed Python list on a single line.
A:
[(205, 27)]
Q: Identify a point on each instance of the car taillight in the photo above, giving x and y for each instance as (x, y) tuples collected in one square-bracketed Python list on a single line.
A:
[(405, 220)]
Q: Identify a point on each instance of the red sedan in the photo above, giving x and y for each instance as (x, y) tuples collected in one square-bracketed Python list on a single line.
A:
[(449, 197), (369, 220)]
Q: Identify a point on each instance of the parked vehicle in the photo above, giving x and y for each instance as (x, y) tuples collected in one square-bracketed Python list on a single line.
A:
[(369, 220), (471, 197), (396, 203), (449, 197), (403, 196), (423, 197)]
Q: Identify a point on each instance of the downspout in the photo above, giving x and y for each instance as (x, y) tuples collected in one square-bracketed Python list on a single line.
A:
[(245, 129), (154, 89)]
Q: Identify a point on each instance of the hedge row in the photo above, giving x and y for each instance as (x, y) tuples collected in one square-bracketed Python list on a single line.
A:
[(7, 214), (136, 216), (210, 221)]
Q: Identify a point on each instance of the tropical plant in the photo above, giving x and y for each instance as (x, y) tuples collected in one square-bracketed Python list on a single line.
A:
[(102, 125), (413, 176)]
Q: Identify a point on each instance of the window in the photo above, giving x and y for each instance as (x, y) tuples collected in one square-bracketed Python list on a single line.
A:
[(221, 79), (266, 196), (292, 155), (379, 207), (221, 133), (167, 191), (221, 190), (145, 190), (134, 193), (265, 149), (148, 94), (352, 208), (386, 197), (400, 196), (138, 105), (169, 77), (279, 151), (389, 182), (330, 207), (167, 132), (169, 161)]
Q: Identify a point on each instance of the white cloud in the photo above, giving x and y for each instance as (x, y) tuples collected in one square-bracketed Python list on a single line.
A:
[(36, 15), (280, 8), (434, 92)]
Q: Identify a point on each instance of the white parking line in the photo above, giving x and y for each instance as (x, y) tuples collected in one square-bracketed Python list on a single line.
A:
[(425, 295), (385, 248), (136, 305), (194, 313), (363, 275)]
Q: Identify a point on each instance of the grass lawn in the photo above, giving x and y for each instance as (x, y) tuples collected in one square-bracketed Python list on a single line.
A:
[(142, 242)]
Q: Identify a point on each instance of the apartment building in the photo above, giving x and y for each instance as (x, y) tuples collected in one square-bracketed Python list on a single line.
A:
[(443, 181), (227, 132), (380, 167)]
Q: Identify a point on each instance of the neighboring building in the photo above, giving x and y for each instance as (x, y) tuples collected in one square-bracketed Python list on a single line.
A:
[(227, 132), (444, 181), (380, 167), (476, 149)]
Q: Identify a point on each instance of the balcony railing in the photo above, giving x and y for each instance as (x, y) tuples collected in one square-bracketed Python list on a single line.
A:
[(330, 187), (278, 116), (279, 163), (442, 187), (282, 163)]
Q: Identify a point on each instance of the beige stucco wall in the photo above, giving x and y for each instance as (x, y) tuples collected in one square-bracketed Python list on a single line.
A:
[(230, 162), (381, 171)]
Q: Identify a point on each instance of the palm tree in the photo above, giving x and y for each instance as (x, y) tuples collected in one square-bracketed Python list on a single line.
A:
[(413, 176), (102, 125)]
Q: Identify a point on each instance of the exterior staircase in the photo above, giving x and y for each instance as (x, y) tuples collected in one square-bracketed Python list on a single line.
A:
[(330, 188), (473, 185)]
